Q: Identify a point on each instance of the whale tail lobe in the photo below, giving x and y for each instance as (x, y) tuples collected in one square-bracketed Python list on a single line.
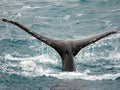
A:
[(77, 45), (56, 44)]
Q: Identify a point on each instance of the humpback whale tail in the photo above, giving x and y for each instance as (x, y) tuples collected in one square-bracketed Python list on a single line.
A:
[(66, 49)]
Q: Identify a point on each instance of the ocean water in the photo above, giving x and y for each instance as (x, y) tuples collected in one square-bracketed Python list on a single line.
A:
[(28, 64)]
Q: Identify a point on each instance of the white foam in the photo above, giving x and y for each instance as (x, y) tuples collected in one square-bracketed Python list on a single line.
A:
[(80, 75), (67, 17), (42, 58), (19, 15), (31, 67), (116, 56), (79, 14), (29, 7), (114, 10), (42, 17)]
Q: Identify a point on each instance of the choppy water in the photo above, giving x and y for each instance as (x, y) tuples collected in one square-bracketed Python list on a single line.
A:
[(28, 64)]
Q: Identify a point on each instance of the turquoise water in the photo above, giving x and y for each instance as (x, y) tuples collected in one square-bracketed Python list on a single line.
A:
[(28, 64)]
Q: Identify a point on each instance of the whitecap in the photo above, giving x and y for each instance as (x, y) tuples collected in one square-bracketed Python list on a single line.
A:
[(67, 17), (116, 56), (18, 15), (27, 7), (42, 59), (114, 10), (79, 14), (84, 75)]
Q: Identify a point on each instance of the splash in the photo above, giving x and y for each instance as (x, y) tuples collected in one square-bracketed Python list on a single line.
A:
[(43, 65)]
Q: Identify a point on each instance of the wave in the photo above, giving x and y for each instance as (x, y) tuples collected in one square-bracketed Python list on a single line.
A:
[(43, 65), (85, 76)]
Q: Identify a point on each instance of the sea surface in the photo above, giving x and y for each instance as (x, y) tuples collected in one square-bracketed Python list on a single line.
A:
[(28, 64)]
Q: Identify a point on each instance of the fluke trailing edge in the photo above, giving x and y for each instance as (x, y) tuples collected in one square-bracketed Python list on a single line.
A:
[(66, 49)]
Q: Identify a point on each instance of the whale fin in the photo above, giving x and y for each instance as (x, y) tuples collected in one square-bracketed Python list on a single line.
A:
[(77, 45), (58, 45)]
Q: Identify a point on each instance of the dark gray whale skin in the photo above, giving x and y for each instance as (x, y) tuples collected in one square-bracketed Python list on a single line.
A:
[(66, 49)]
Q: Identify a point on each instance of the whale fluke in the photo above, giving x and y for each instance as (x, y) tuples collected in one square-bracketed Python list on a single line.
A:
[(77, 45), (66, 49), (56, 44)]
